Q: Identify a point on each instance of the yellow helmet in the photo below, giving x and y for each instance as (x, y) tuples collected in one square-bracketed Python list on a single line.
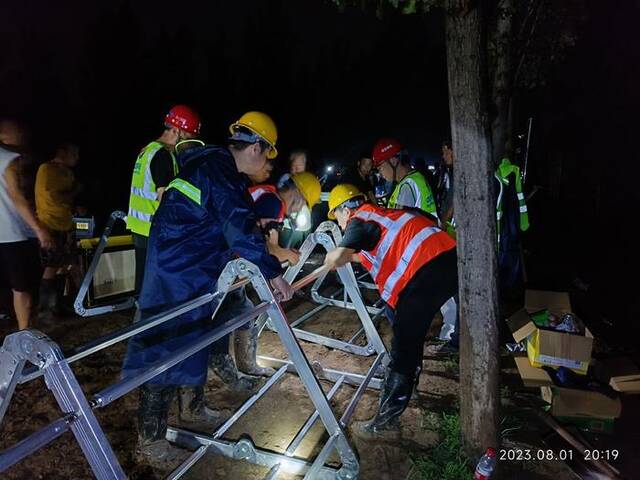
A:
[(262, 125), (309, 186), (340, 194)]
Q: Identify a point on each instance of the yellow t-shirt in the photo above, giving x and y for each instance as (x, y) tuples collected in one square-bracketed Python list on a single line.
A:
[(54, 196)]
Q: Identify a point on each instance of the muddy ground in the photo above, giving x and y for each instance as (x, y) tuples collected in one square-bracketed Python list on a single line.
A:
[(271, 423)]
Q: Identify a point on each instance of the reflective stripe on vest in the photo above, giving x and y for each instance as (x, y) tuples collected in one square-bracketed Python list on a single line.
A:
[(406, 259), (258, 191), (408, 241), (143, 199), (504, 171), (421, 191), (190, 191), (385, 241)]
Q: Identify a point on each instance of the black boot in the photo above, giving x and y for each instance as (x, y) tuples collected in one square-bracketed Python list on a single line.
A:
[(224, 367), (153, 449), (394, 399), (245, 348), (47, 294), (194, 412), (59, 307)]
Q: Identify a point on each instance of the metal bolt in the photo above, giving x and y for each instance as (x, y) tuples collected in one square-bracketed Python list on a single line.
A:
[(244, 450)]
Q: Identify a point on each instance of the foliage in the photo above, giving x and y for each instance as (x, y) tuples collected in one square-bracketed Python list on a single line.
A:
[(446, 460), (543, 30), (407, 7), (544, 33), (451, 364)]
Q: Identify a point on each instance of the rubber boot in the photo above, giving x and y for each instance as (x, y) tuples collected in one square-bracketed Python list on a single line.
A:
[(194, 413), (246, 346), (153, 449), (223, 366), (47, 294), (59, 308), (394, 399)]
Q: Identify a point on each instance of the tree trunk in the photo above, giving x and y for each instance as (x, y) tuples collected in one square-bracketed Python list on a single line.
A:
[(502, 81), (475, 212)]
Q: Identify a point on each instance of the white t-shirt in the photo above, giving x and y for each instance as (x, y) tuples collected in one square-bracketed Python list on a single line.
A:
[(12, 227), (407, 197)]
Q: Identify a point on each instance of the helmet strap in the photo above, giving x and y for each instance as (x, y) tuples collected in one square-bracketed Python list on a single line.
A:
[(395, 169)]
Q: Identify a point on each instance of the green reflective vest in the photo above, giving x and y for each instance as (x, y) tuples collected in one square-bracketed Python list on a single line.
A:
[(504, 171), (421, 191), (143, 200)]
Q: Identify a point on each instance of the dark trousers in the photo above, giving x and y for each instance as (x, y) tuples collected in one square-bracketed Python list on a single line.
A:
[(235, 304), (140, 244), (418, 303)]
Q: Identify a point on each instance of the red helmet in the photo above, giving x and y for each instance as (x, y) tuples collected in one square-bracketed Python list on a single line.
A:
[(183, 118), (384, 149)]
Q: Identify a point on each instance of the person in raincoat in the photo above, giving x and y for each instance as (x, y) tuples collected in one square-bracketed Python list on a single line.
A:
[(205, 220), (272, 205)]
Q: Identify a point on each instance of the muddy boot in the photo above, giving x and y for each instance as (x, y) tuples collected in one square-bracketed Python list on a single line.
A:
[(224, 367), (194, 412), (47, 294), (394, 398), (246, 346), (153, 449), (60, 308)]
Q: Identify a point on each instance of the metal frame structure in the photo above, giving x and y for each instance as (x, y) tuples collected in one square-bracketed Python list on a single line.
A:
[(334, 230), (78, 304), (47, 358), (328, 235)]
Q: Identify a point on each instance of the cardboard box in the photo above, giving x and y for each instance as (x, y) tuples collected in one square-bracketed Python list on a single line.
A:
[(621, 374), (569, 402), (548, 347), (531, 376)]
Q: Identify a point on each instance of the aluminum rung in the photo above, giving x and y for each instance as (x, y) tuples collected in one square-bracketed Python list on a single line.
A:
[(36, 348), (328, 374), (321, 459), (244, 450), (34, 442), (178, 472), (353, 403), (297, 440)]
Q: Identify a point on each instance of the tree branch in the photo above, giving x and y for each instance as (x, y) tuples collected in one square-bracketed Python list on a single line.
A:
[(523, 50)]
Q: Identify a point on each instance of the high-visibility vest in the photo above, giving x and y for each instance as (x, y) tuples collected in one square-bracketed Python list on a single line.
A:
[(504, 171), (143, 200), (258, 191), (408, 241), (421, 192)]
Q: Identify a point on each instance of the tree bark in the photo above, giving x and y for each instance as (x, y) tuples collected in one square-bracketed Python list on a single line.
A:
[(502, 81), (475, 213)]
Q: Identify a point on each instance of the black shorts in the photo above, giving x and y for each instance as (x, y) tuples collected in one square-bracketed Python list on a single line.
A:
[(20, 265)]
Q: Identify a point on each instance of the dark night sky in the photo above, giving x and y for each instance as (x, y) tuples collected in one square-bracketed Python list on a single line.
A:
[(103, 74), (327, 78)]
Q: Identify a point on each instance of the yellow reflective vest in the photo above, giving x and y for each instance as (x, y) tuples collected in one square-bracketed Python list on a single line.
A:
[(143, 200)]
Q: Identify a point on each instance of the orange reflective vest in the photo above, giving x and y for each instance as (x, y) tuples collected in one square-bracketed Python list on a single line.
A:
[(408, 241), (260, 190)]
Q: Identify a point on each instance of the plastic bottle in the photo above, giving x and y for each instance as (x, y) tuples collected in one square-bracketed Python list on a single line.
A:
[(449, 314), (486, 465)]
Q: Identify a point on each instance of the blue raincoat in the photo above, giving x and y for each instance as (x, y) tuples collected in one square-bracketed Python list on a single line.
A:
[(205, 219)]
